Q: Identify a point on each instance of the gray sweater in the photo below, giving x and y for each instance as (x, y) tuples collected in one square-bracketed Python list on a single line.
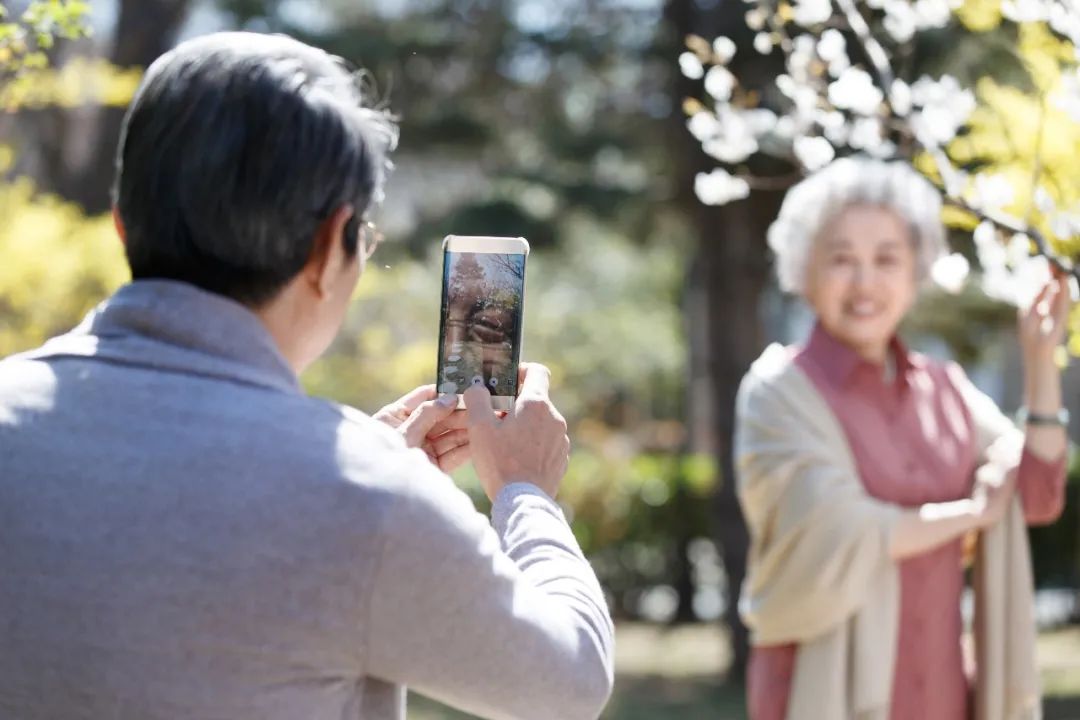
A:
[(185, 534)]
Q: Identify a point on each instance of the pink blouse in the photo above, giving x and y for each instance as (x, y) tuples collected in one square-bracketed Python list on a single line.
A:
[(913, 443)]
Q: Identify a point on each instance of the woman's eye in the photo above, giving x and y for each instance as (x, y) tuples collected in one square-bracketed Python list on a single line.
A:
[(842, 259), (888, 260)]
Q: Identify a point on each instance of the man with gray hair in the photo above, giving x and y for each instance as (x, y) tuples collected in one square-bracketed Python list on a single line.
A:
[(186, 534)]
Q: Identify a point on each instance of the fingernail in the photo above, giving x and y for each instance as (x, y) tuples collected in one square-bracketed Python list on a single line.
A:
[(447, 400)]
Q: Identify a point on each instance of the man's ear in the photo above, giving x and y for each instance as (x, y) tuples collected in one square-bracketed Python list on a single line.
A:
[(328, 254), (118, 223)]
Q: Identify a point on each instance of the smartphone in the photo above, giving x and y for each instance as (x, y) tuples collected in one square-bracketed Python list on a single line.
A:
[(483, 299)]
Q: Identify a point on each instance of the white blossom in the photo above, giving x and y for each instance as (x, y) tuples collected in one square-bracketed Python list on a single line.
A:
[(946, 107), (883, 150), (988, 248), (831, 45), (835, 126), (928, 91), (956, 180), (763, 43), (814, 152), (999, 285), (735, 140), (1018, 250), (731, 149), (832, 49), (1066, 22), (723, 49), (703, 125), (812, 12), (691, 66), (855, 90), (1043, 201), (1017, 285), (804, 97), (839, 66), (759, 120), (866, 133), (755, 19), (900, 97), (900, 20), (1067, 97), (993, 192), (1021, 11), (933, 126), (1066, 224), (720, 187), (1022, 285), (719, 82), (785, 128), (932, 13), (950, 272), (802, 54)]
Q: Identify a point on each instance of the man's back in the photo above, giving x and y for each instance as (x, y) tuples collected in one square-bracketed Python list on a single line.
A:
[(185, 534), (173, 537)]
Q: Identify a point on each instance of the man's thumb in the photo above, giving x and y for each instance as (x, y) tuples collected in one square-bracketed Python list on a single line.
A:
[(478, 403)]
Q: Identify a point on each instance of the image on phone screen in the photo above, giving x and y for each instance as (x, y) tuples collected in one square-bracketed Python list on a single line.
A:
[(480, 337)]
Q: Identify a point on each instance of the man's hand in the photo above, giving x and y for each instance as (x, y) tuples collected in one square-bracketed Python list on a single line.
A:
[(529, 444), (431, 423)]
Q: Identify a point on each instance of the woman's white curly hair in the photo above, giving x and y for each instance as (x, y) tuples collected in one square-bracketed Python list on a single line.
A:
[(816, 201)]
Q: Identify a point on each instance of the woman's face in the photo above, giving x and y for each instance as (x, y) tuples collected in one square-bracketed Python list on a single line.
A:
[(861, 278)]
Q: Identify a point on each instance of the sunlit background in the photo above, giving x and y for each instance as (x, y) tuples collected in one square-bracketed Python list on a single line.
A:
[(565, 121)]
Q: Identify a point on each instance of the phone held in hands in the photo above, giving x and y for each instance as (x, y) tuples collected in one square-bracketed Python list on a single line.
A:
[(483, 297)]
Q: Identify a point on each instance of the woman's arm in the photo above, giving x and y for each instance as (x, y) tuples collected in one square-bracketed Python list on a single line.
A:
[(1042, 329), (935, 524)]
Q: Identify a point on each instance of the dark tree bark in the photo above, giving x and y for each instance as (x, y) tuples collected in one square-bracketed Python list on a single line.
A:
[(144, 30), (730, 273)]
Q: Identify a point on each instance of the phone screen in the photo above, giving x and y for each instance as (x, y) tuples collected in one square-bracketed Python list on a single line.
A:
[(480, 334)]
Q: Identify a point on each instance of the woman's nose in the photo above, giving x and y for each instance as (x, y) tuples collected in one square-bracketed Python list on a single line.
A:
[(864, 275)]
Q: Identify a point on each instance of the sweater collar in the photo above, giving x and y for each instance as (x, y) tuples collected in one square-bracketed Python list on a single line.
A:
[(169, 325)]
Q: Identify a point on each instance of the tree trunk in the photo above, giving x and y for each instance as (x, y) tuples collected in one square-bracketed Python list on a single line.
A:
[(730, 272), (144, 30)]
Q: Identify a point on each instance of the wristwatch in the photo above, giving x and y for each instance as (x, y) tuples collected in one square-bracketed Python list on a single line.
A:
[(1061, 418)]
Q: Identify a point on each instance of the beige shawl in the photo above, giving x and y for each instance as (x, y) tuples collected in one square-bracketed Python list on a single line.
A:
[(820, 574)]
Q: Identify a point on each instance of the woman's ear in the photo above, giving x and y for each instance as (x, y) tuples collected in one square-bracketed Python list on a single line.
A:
[(328, 255)]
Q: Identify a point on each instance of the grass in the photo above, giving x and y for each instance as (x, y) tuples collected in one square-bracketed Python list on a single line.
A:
[(672, 674)]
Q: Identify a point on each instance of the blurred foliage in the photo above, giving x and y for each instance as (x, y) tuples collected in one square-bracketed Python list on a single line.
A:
[(635, 516), (1018, 131), (25, 40), (57, 265), (1055, 549), (967, 322), (634, 513), (83, 81), (559, 103), (616, 357), (1026, 137)]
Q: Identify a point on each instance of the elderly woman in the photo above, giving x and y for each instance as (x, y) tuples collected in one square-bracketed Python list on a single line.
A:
[(862, 466)]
